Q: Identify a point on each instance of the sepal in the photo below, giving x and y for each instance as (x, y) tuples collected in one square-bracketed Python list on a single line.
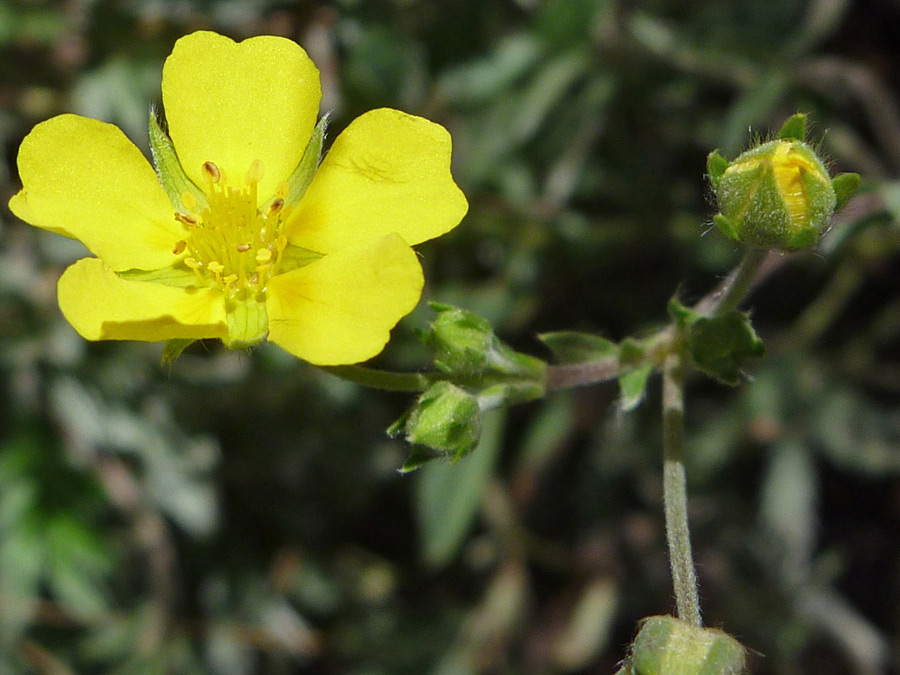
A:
[(668, 646), (169, 170), (722, 345), (302, 175)]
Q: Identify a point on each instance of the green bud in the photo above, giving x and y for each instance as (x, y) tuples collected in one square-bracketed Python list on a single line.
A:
[(461, 340), (465, 344), (777, 195), (445, 418), (668, 646)]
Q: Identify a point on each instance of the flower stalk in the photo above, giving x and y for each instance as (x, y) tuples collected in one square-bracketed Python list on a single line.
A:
[(681, 560)]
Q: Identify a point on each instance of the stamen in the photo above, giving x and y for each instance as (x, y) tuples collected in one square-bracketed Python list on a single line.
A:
[(228, 223), (188, 201), (276, 206), (255, 173), (211, 172)]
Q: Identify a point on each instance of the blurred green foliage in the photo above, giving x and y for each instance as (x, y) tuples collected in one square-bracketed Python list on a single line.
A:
[(242, 512)]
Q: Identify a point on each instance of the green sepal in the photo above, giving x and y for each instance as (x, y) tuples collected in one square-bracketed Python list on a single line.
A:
[(248, 323), (845, 186), (295, 257), (168, 167), (720, 346), (726, 226), (668, 646), (633, 386), (302, 175), (715, 167), (418, 456), (177, 276), (572, 347), (682, 315), (445, 418), (172, 349), (794, 128)]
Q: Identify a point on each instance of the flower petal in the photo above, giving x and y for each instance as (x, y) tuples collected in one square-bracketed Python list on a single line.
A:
[(100, 305), (340, 309), (86, 180), (232, 103), (387, 172)]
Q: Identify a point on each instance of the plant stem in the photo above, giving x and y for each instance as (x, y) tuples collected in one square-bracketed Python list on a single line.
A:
[(684, 578), (383, 379), (740, 281)]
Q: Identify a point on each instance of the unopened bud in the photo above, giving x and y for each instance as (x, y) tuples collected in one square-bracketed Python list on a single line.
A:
[(668, 646), (777, 195)]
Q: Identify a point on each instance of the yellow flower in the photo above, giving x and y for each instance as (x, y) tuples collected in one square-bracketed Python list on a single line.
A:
[(232, 240)]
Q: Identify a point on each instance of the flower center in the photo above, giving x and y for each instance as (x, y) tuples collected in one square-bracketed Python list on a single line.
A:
[(232, 243)]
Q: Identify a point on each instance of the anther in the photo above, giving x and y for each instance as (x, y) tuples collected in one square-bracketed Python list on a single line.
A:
[(188, 219), (189, 201), (263, 255), (243, 248), (211, 172), (179, 247), (255, 173), (276, 206)]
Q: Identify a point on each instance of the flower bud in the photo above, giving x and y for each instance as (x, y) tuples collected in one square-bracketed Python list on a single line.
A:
[(446, 419), (668, 646), (465, 344), (777, 195)]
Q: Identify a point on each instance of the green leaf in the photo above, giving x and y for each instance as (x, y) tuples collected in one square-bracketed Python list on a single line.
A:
[(306, 169), (633, 386), (448, 496), (168, 167), (572, 347), (794, 128), (722, 345)]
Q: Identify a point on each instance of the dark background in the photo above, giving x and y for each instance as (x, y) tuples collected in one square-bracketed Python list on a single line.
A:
[(242, 512)]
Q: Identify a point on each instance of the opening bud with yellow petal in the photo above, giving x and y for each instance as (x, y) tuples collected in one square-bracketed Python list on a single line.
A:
[(778, 195), (668, 646)]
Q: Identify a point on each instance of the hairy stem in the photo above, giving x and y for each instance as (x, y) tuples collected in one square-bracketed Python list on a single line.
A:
[(385, 380), (739, 282), (681, 560)]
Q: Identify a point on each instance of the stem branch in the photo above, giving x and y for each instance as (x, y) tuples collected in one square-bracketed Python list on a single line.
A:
[(385, 380), (684, 578)]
